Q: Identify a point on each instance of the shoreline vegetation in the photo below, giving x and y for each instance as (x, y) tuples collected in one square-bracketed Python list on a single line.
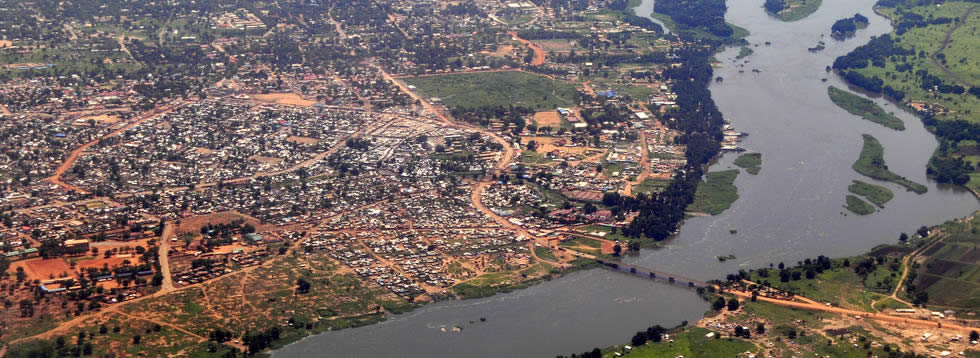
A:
[(751, 162), (791, 10), (716, 194), (922, 65), (864, 108), (885, 278), (743, 52), (871, 163)]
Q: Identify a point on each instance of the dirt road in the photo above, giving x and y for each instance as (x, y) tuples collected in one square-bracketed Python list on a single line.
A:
[(73, 156), (854, 313), (538, 52), (163, 253)]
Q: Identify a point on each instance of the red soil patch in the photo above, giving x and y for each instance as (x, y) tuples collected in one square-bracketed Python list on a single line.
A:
[(40, 269)]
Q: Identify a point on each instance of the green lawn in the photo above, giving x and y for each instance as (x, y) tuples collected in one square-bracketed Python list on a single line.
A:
[(496, 89), (858, 206), (797, 10), (752, 162), (871, 163), (864, 108), (876, 194), (716, 194)]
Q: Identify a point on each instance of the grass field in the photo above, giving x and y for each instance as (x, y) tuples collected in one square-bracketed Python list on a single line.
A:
[(751, 162), (797, 10), (871, 163), (496, 89), (651, 186), (864, 108), (960, 57), (876, 194), (858, 206), (716, 194)]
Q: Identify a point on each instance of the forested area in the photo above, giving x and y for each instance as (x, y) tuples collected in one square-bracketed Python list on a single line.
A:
[(703, 14), (847, 27), (700, 121)]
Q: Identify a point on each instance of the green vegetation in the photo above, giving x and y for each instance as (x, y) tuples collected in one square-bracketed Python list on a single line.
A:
[(949, 276), (688, 343), (743, 52), (876, 194), (751, 162), (716, 194), (506, 88), (864, 108), (791, 10), (903, 60), (545, 254), (858, 206), (651, 186), (581, 241), (871, 163)]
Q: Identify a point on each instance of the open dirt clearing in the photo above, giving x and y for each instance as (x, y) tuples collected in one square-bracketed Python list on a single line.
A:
[(291, 99)]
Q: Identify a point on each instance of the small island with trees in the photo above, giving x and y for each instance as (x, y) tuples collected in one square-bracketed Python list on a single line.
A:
[(844, 28), (791, 10)]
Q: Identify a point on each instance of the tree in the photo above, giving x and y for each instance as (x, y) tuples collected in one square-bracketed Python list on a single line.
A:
[(639, 339), (617, 250), (136, 339), (903, 237), (719, 304), (923, 231), (733, 304), (974, 336), (760, 328), (302, 286)]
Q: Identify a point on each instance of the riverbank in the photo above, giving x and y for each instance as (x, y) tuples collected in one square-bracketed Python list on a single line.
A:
[(863, 286), (935, 89)]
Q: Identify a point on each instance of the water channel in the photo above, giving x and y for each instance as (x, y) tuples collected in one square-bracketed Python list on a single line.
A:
[(791, 210)]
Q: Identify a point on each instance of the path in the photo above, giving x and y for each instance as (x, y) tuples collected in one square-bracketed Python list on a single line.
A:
[(164, 255), (942, 47), (56, 177), (538, 52), (854, 313)]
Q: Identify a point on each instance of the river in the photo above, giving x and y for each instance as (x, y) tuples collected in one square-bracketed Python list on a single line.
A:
[(791, 210)]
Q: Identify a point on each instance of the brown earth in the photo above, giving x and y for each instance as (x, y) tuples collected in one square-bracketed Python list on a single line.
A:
[(291, 99)]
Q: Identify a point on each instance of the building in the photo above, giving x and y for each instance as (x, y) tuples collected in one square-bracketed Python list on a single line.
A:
[(75, 247)]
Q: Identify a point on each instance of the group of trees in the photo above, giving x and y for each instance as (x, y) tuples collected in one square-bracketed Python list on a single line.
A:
[(946, 166), (703, 14), (774, 6), (256, 342), (700, 122), (848, 26)]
